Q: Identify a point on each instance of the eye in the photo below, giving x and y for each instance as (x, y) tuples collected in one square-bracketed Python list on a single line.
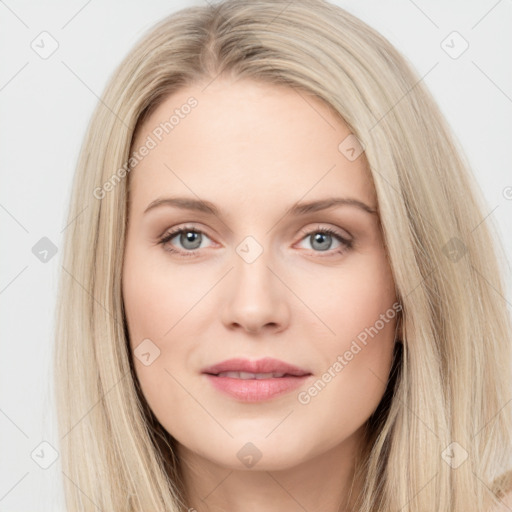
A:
[(321, 240), (189, 237)]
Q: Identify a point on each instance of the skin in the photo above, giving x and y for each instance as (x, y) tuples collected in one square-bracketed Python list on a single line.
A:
[(254, 150)]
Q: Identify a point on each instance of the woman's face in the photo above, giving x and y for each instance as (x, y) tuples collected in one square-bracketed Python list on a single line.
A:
[(255, 275)]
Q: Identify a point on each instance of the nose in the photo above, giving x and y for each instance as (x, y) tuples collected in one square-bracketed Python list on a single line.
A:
[(255, 298)]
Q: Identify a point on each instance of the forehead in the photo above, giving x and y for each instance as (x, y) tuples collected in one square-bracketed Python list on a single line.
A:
[(246, 141)]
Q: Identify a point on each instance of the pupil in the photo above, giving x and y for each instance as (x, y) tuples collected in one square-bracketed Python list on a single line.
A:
[(192, 238), (319, 237)]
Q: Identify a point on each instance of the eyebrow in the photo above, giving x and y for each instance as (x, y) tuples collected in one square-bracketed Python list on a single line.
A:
[(204, 206)]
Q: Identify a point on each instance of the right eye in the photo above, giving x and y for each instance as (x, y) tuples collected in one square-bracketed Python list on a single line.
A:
[(189, 237)]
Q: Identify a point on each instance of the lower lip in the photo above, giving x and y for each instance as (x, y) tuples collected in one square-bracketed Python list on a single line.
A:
[(256, 390)]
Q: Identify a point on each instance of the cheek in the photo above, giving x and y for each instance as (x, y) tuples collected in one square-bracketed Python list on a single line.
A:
[(358, 357), (155, 296), (159, 301), (356, 298)]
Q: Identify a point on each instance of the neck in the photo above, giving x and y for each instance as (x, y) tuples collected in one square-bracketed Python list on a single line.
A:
[(324, 482)]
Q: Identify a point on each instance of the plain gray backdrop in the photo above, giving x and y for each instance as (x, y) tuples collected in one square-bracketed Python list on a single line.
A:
[(45, 105)]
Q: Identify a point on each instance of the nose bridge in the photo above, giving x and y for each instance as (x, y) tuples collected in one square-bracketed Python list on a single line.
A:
[(252, 262), (255, 297)]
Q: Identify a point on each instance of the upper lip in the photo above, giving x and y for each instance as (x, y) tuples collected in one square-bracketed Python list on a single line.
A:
[(265, 365)]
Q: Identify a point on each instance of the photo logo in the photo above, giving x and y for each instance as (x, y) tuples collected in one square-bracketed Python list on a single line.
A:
[(151, 142), (304, 397)]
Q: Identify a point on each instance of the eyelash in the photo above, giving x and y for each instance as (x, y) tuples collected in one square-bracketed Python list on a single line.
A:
[(347, 244)]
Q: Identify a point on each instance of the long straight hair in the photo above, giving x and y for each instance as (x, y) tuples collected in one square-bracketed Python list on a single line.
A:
[(452, 377)]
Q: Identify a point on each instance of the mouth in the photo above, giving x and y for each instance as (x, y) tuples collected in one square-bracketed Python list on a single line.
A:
[(264, 368), (255, 387), (255, 376), (255, 380)]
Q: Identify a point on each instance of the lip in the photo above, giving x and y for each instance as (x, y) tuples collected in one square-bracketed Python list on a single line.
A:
[(256, 390), (265, 365)]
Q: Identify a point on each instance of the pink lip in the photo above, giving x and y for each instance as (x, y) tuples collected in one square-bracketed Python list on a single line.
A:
[(255, 390), (265, 365)]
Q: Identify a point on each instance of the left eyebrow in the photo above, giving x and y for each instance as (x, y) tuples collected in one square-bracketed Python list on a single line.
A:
[(324, 204), (297, 209)]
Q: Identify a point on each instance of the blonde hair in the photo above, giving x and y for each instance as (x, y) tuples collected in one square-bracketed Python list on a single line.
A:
[(452, 379)]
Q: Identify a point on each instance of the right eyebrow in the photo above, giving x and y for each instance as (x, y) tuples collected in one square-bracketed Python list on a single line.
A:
[(185, 203)]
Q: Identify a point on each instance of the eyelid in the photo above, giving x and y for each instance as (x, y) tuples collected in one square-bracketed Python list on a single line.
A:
[(334, 230)]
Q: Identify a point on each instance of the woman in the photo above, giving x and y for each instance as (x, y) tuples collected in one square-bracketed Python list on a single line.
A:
[(280, 297)]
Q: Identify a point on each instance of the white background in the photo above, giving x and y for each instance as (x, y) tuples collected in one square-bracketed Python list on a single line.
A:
[(45, 105)]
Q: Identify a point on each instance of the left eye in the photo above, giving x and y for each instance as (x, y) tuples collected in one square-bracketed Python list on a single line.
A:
[(321, 239), (191, 239)]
